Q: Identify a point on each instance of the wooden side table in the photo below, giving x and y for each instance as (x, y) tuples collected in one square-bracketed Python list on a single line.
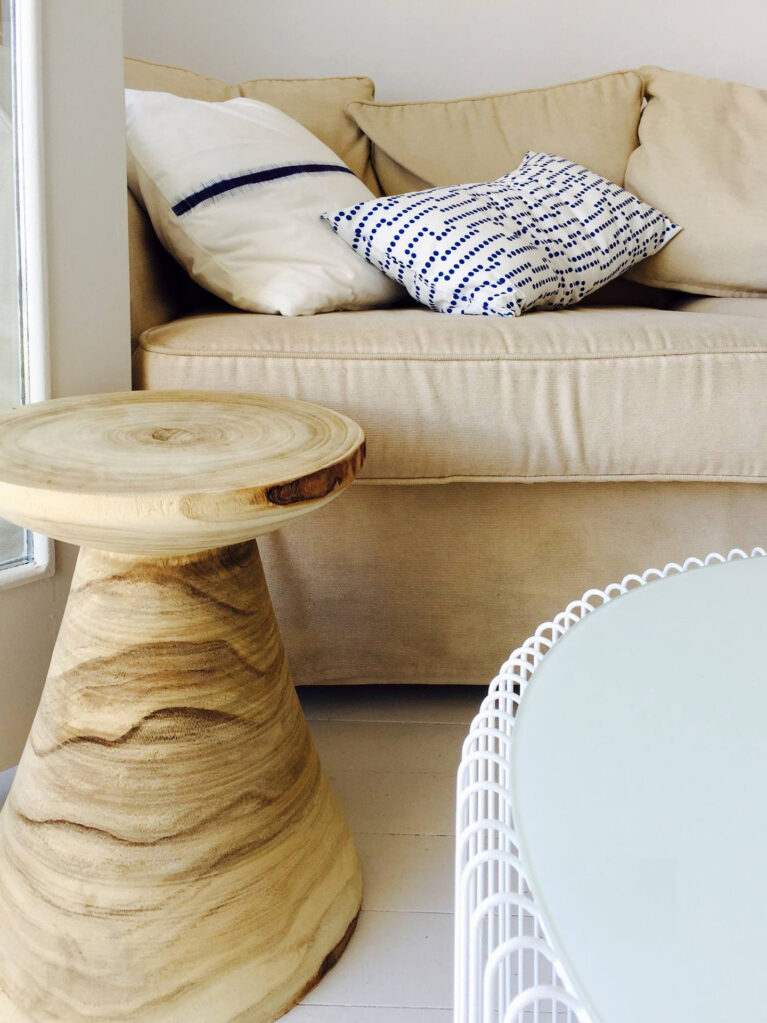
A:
[(171, 848)]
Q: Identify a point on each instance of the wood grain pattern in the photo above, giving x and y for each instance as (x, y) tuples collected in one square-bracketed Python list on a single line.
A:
[(170, 472), (171, 849)]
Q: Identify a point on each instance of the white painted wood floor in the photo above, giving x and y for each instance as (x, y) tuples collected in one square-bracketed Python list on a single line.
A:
[(391, 753)]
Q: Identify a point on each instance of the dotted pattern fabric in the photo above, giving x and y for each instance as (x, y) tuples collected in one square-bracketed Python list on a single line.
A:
[(544, 236)]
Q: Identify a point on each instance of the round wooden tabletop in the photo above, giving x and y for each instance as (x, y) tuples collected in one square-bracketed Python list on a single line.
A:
[(171, 472)]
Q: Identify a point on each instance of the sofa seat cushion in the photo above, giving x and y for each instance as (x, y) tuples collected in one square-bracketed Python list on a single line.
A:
[(590, 393), (721, 306)]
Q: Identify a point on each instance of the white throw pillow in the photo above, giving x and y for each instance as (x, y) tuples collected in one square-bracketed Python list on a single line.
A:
[(234, 191), (543, 236)]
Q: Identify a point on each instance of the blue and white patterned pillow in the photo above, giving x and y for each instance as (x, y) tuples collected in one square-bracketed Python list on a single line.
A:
[(543, 236)]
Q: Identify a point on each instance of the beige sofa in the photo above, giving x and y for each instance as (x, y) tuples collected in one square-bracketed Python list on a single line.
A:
[(512, 463)]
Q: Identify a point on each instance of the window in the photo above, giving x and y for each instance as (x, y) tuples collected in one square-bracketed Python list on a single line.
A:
[(23, 348)]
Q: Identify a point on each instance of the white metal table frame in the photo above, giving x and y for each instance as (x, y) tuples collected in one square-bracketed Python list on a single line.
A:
[(506, 969)]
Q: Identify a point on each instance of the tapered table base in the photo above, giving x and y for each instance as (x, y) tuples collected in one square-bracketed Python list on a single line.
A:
[(171, 849)]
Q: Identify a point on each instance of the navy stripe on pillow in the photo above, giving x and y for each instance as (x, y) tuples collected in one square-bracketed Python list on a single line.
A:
[(253, 178)]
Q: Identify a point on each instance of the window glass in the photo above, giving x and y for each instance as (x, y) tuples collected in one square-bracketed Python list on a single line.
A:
[(14, 541)]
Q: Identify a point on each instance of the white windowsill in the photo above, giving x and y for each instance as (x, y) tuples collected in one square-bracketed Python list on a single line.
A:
[(42, 564)]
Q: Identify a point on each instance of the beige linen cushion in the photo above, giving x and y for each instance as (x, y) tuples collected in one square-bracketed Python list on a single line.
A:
[(589, 393), (703, 158), (143, 74), (419, 145), (318, 104)]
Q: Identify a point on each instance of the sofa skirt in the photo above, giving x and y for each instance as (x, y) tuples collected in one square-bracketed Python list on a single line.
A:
[(438, 583)]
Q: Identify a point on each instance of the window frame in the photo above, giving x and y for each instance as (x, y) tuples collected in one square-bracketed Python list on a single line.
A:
[(26, 44)]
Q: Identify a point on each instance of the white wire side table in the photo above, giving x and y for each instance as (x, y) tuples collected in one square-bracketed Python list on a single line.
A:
[(507, 967)]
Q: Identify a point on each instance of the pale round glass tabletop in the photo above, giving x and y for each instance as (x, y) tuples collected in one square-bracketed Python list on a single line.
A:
[(639, 766)]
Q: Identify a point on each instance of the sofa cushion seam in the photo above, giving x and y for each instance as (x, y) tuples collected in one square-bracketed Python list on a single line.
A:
[(356, 357), (574, 477), (497, 95), (327, 78), (718, 292)]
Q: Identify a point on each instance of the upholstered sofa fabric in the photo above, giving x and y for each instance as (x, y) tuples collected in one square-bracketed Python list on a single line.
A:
[(720, 306), (594, 393), (436, 585), (319, 104), (404, 583), (703, 158), (160, 289), (418, 145)]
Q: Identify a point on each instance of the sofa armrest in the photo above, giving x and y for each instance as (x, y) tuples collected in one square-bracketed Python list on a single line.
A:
[(160, 290)]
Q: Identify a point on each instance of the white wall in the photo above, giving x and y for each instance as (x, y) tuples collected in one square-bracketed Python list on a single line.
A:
[(87, 294), (421, 49)]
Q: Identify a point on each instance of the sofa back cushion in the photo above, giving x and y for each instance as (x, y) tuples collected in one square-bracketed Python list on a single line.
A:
[(159, 290), (142, 74), (703, 157), (318, 104), (420, 145)]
